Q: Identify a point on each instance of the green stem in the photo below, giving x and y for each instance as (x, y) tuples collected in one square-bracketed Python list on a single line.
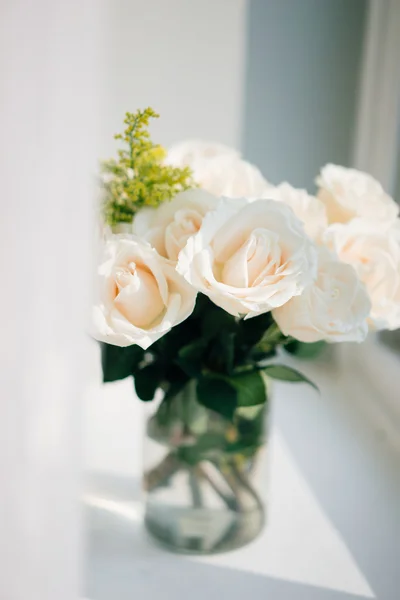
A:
[(195, 488), (131, 142), (230, 501), (160, 475)]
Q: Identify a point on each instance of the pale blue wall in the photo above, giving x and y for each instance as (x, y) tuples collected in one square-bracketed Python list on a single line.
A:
[(303, 59)]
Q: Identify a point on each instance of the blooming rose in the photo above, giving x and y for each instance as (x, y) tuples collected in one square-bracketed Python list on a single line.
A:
[(348, 193), (374, 251), (219, 170), (141, 296), (334, 308), (249, 257), (308, 209), (169, 226), (189, 152)]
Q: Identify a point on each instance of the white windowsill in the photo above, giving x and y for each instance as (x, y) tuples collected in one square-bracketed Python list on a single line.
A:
[(370, 374)]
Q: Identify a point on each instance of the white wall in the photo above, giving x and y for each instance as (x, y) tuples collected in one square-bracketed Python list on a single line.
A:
[(48, 107), (185, 58)]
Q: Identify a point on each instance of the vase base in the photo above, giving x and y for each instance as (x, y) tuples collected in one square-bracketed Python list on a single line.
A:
[(186, 530)]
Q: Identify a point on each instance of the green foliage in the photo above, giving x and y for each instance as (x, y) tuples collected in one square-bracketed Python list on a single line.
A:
[(271, 338), (285, 373), (303, 350), (223, 356), (208, 446), (147, 380), (190, 358), (216, 393), (250, 388), (119, 363), (225, 393), (139, 177), (251, 331), (216, 321), (241, 437)]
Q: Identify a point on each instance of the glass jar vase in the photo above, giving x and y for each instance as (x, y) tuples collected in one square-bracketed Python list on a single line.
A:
[(204, 475)]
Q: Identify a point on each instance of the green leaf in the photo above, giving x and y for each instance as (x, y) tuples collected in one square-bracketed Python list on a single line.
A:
[(182, 335), (252, 330), (177, 412), (162, 415), (197, 418), (271, 338), (176, 379), (147, 380), (284, 373), (217, 320), (203, 303), (119, 363), (303, 350), (260, 356), (249, 412), (227, 341), (221, 353), (251, 424), (214, 392), (186, 409), (250, 388), (190, 358), (193, 414)]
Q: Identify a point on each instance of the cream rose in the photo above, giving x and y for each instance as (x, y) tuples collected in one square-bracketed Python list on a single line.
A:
[(348, 193), (141, 296), (249, 257), (189, 152), (219, 170), (169, 226), (309, 209), (231, 177), (374, 252), (334, 308)]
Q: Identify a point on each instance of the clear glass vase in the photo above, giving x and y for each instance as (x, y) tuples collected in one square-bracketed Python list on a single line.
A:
[(204, 475)]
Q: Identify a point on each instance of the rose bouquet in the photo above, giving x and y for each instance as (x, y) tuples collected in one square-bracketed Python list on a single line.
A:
[(208, 273)]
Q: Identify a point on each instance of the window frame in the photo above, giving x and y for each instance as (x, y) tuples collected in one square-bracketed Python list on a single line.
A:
[(374, 365)]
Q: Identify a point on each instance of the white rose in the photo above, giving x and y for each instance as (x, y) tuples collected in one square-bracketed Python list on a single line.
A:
[(249, 257), (141, 296), (169, 226), (308, 209), (231, 177), (334, 308), (374, 252), (189, 152), (348, 193), (219, 170)]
